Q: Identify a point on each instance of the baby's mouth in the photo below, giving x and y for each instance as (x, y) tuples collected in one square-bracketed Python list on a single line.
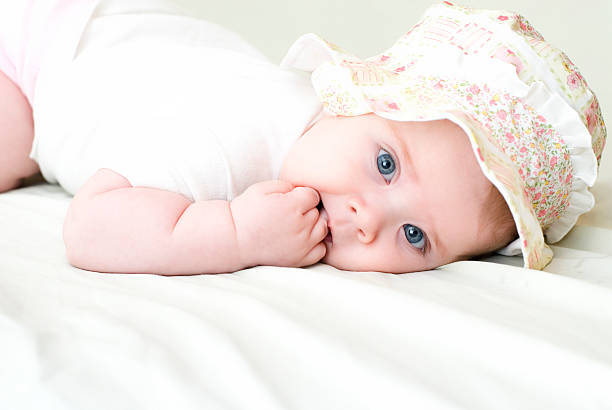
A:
[(323, 213)]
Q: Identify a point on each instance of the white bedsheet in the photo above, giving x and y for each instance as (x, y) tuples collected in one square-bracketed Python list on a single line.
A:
[(471, 335)]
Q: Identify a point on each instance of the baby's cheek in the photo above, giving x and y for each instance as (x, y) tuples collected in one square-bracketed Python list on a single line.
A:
[(366, 260), (337, 257), (296, 165)]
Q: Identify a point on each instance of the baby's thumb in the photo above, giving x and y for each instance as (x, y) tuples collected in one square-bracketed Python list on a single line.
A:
[(275, 186), (306, 197)]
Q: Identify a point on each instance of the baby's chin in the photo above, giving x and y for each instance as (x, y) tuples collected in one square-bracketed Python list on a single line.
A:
[(331, 258)]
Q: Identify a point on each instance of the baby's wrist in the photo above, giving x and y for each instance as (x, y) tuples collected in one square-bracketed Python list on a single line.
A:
[(245, 257)]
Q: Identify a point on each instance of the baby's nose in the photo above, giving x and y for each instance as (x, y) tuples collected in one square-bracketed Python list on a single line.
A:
[(366, 219)]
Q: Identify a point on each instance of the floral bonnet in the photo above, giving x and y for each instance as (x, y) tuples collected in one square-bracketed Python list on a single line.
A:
[(535, 126)]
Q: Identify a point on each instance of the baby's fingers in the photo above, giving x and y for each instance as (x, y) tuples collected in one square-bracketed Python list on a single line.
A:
[(315, 255), (310, 219), (319, 230), (306, 198), (274, 186)]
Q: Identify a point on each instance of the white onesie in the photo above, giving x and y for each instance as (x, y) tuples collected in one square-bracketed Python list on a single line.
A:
[(168, 101)]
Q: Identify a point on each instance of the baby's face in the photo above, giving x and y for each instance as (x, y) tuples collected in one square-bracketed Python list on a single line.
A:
[(399, 196)]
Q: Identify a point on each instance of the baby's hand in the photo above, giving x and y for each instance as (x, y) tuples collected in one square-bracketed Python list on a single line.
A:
[(277, 224)]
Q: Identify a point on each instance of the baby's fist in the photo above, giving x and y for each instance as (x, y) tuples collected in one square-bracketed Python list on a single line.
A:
[(278, 224)]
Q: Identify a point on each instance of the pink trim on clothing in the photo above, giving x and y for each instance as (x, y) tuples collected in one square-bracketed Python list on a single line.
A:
[(30, 27), (7, 66)]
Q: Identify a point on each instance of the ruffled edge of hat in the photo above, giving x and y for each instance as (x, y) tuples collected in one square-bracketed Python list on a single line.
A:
[(574, 133), (584, 163), (557, 110)]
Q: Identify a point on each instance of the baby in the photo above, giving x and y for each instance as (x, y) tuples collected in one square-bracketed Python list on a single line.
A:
[(188, 152)]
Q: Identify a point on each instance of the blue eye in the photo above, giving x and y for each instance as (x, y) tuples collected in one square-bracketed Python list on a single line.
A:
[(415, 236), (386, 165)]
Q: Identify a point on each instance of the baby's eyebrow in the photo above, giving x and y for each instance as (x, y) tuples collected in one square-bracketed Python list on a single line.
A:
[(435, 238), (433, 234), (404, 153)]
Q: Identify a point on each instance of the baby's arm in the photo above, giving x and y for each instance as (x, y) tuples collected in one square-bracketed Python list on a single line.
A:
[(112, 226)]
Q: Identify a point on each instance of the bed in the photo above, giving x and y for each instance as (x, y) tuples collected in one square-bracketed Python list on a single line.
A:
[(483, 334)]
